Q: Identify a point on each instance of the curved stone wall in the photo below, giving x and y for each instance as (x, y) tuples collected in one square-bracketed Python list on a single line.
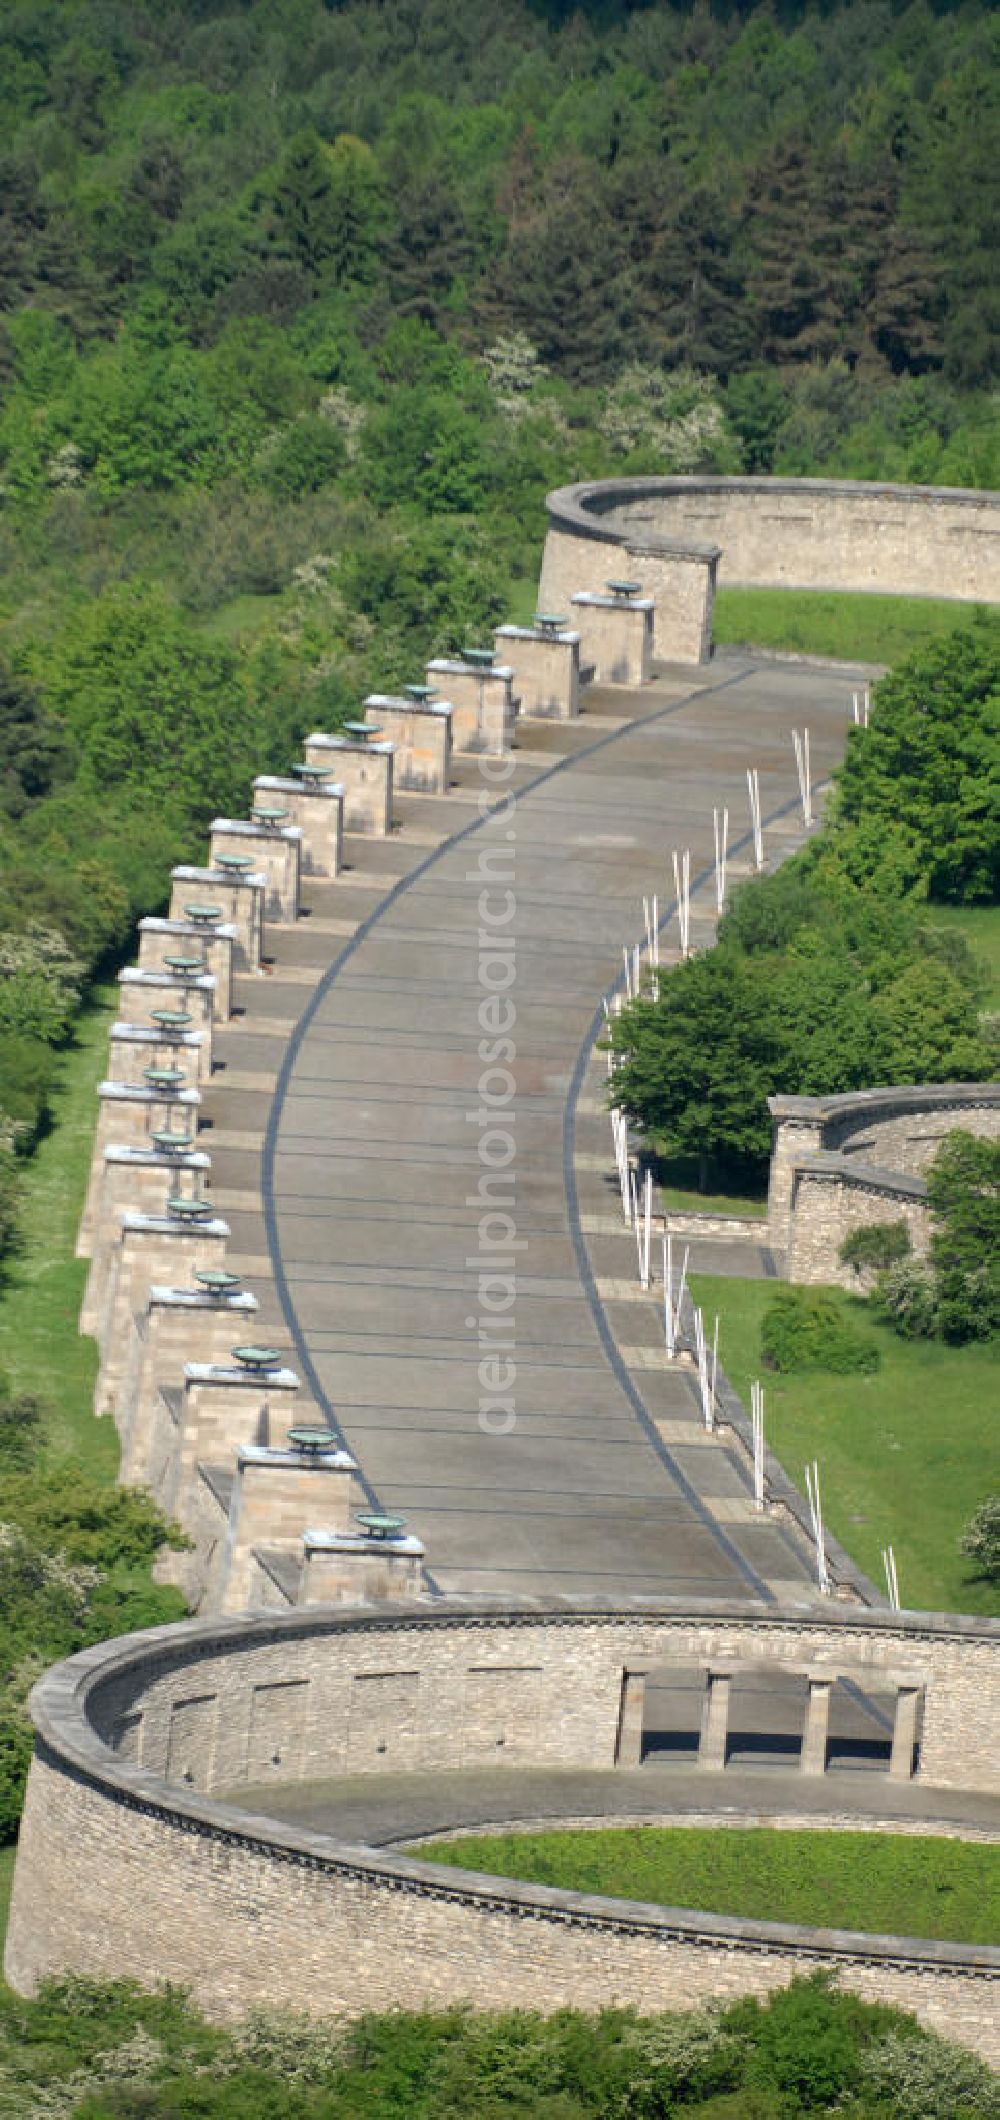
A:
[(678, 535), (840, 1162), (135, 1736)]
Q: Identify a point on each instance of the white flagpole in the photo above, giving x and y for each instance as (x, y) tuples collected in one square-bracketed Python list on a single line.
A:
[(757, 1424), (753, 790), (656, 930), (669, 1328), (891, 1577), (720, 824), (816, 1513), (647, 1227), (800, 745)]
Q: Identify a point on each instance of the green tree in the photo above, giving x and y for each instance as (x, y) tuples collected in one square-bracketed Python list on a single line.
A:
[(927, 769), (981, 1539), (963, 1193)]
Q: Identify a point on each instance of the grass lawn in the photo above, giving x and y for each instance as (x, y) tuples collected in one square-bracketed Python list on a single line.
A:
[(905, 1456), (980, 925), (882, 1882), (849, 624), (40, 1291)]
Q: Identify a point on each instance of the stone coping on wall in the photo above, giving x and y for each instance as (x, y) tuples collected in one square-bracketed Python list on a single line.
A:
[(850, 1170), (579, 508), (67, 1737), (886, 1102)]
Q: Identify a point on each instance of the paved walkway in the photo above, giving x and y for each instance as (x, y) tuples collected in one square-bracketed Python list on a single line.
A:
[(605, 1482), (380, 1810)]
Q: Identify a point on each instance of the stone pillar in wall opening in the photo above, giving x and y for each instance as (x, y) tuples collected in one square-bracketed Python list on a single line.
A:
[(176, 1325), (134, 1115), (631, 1715), (159, 1001), (816, 1731), (266, 848), (616, 636), (545, 660), (363, 767), (189, 948), (278, 1492), (715, 1720), (906, 1729), (798, 1132), (351, 1568), (151, 1248), (420, 731), (314, 803), (481, 694), (239, 896), (143, 1179)]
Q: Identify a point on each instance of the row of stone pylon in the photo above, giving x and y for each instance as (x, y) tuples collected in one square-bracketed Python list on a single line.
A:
[(211, 1420)]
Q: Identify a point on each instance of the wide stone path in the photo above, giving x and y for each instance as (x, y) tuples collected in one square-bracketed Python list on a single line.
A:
[(605, 1481)]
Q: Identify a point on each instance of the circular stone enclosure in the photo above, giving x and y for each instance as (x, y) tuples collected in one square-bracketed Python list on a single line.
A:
[(136, 1736)]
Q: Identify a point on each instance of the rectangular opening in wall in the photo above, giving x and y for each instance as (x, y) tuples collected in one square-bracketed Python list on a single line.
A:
[(126, 1735), (671, 1728), (767, 1710), (382, 1718), (191, 1740), (861, 1726), (277, 1730), (503, 1711)]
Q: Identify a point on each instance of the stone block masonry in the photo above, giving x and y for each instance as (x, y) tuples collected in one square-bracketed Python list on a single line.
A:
[(616, 638), (365, 772), (420, 732), (145, 1179), (545, 661), (135, 1047), (128, 1115), (482, 701), (316, 809), (141, 993), (176, 1325), (166, 944), (134, 1737), (240, 899), (150, 1248), (271, 851)]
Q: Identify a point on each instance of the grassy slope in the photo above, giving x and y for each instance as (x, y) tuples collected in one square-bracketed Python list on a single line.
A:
[(905, 1456), (884, 1882), (854, 626), (980, 925), (40, 1348)]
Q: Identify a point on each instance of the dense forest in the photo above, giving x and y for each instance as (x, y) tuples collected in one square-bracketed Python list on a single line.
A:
[(304, 306)]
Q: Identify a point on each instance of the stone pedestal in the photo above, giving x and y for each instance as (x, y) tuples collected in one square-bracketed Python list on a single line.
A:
[(365, 772), (349, 1568), (161, 939), (276, 1495), (241, 899), (150, 1249), (545, 661), (482, 702), (220, 1407), (616, 638), (316, 809), (128, 1114), (420, 733), (139, 993), (276, 854), (715, 1721), (175, 1326), (812, 1758), (134, 1047), (143, 1179)]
